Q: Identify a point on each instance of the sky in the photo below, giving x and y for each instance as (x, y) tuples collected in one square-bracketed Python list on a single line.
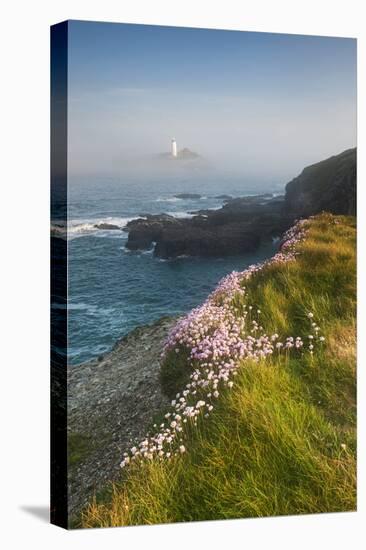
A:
[(258, 104)]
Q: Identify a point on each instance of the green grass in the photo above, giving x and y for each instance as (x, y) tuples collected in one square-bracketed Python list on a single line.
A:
[(283, 440)]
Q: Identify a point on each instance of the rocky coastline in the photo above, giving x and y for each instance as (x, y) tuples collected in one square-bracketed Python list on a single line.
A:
[(113, 399), (239, 226), (243, 223), (329, 185), (111, 403)]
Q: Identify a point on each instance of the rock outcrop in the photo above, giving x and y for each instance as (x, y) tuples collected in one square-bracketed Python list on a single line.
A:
[(236, 228), (329, 186), (111, 403), (144, 231), (206, 241)]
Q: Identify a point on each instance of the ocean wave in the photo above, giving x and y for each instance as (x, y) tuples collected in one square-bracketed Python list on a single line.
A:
[(82, 228), (178, 199), (75, 228), (218, 207), (90, 309)]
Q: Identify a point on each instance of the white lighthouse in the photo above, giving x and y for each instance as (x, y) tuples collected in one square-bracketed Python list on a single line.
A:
[(174, 148)]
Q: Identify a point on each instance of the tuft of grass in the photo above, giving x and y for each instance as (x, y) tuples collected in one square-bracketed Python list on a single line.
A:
[(283, 440)]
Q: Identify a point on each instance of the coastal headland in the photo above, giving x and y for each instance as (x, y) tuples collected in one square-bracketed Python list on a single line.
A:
[(271, 420), (114, 400)]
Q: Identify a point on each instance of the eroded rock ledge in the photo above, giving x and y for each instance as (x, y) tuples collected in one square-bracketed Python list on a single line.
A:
[(111, 403), (238, 227)]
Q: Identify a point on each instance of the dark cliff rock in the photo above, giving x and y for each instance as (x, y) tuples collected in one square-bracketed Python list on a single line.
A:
[(238, 227), (329, 185), (143, 232), (191, 240)]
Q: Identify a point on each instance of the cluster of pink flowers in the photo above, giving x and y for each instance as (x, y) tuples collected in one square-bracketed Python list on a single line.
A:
[(218, 335)]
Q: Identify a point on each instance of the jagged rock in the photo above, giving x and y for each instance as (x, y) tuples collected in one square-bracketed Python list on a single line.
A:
[(143, 232), (236, 228), (149, 219)]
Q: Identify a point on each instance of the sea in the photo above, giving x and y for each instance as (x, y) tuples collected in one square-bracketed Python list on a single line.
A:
[(112, 290)]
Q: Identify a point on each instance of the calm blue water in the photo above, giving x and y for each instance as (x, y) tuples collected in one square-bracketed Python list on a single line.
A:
[(111, 290)]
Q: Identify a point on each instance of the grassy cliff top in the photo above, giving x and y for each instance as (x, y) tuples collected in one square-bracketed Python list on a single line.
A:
[(280, 439)]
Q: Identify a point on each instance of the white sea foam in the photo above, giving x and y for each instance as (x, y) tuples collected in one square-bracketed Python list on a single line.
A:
[(176, 199), (81, 228), (180, 214), (91, 309)]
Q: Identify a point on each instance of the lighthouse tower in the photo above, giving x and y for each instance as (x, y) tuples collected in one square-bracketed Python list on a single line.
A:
[(174, 148)]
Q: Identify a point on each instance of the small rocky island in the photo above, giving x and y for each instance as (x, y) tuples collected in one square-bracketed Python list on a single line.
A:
[(183, 154)]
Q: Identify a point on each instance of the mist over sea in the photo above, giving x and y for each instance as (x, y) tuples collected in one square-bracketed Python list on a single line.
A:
[(112, 290)]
